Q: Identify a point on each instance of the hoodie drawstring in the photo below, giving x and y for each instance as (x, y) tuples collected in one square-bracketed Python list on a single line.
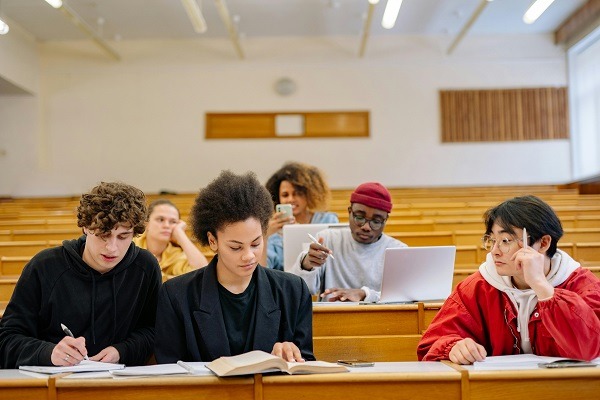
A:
[(93, 309), (114, 293)]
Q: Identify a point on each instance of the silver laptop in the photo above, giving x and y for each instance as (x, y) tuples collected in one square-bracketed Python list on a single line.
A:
[(295, 239), (417, 274)]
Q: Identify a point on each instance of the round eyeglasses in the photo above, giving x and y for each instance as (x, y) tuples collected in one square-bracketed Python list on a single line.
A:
[(504, 244), (375, 223)]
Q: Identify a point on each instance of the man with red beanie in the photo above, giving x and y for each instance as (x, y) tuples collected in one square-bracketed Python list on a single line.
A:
[(347, 263)]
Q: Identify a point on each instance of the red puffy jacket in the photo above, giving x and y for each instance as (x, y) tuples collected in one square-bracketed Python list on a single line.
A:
[(566, 325)]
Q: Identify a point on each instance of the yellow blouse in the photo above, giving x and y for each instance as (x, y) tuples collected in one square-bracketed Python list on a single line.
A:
[(173, 261)]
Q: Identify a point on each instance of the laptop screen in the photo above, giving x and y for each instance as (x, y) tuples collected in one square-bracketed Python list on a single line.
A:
[(295, 238), (417, 273)]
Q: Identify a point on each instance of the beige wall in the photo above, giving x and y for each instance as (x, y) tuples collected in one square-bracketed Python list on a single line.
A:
[(140, 120)]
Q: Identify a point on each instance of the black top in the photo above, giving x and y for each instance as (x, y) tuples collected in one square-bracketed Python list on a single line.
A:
[(117, 308), (190, 324), (239, 315)]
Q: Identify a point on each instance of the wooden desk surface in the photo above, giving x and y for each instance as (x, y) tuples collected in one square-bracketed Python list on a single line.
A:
[(407, 380), (17, 385), (543, 384), (397, 380), (167, 387)]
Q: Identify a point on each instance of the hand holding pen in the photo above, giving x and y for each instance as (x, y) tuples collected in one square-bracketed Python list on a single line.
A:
[(70, 350), (531, 264), (317, 254)]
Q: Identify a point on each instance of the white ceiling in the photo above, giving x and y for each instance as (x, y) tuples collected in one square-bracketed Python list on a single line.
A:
[(166, 19)]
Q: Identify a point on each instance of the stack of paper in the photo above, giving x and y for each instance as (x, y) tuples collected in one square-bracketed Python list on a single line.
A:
[(83, 366), (518, 361), (151, 370)]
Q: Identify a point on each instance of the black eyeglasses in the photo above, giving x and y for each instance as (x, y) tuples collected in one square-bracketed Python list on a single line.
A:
[(375, 223)]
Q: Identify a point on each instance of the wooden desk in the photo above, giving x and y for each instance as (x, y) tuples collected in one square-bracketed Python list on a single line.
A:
[(388, 332), (160, 388), (404, 380), (409, 380), (430, 310), (365, 320), (543, 384), (16, 385)]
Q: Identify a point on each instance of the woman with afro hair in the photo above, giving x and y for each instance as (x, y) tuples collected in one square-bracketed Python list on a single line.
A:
[(233, 305)]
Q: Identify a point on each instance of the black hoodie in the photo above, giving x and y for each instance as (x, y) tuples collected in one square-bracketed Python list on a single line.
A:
[(117, 308)]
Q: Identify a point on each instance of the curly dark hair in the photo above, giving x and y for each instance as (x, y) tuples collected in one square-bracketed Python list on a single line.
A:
[(526, 212), (112, 203), (228, 199), (306, 179)]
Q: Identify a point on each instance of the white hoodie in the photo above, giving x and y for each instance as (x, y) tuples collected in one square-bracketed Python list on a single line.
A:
[(561, 267)]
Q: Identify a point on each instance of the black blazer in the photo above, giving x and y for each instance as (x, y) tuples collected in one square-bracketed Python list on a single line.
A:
[(189, 320)]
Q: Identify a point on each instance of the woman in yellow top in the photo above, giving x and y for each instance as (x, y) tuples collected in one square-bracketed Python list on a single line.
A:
[(165, 237)]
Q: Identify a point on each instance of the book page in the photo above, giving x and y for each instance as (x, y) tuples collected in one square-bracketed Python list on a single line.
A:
[(252, 358), (260, 362), (248, 363), (315, 367)]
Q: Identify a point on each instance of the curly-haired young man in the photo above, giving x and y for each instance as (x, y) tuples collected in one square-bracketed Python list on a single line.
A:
[(233, 305), (101, 286)]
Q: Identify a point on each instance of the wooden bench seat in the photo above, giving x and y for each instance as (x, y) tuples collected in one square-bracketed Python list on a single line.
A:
[(12, 266), (7, 287), (46, 234), (25, 248), (436, 238)]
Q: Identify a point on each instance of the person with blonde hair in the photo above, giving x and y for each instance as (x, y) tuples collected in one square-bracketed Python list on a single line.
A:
[(166, 239), (303, 187)]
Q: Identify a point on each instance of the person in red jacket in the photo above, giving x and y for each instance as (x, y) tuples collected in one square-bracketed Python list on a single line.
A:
[(527, 297)]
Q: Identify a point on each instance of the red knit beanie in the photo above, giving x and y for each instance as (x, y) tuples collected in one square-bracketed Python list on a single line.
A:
[(372, 194)]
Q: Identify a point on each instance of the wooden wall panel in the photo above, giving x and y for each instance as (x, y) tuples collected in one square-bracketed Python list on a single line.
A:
[(345, 124), (504, 115), (337, 124), (229, 126)]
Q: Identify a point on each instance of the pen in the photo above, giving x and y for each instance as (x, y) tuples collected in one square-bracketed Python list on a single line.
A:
[(524, 238), (68, 332), (314, 240)]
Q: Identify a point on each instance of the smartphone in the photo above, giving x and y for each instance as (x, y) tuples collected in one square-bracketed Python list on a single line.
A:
[(285, 208), (356, 363), (567, 364)]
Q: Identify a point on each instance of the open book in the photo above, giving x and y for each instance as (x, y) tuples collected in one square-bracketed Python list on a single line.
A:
[(258, 361), (83, 366), (518, 361)]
